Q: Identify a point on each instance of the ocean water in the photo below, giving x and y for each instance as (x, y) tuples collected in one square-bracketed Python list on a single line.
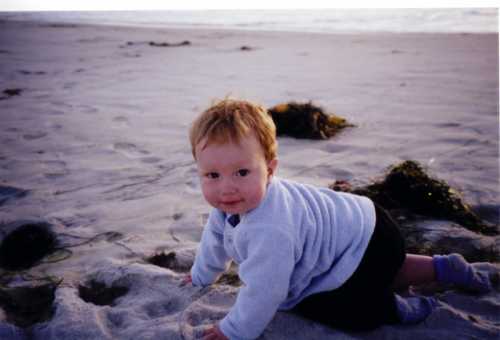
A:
[(466, 20)]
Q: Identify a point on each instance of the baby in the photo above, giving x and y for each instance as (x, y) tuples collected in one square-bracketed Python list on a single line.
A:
[(329, 256)]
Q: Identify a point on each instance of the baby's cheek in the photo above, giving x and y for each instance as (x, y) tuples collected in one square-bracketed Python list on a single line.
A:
[(258, 196), (208, 194)]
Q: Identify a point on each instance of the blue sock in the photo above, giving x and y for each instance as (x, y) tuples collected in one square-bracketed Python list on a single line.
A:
[(415, 309), (454, 269)]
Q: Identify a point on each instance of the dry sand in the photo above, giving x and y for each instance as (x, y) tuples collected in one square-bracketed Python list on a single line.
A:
[(98, 138)]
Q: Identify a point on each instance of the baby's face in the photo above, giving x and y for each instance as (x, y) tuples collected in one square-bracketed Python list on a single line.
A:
[(233, 176)]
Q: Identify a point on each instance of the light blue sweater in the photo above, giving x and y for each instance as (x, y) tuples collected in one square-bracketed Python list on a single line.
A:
[(300, 240)]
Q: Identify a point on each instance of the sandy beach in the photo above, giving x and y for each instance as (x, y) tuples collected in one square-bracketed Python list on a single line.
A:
[(93, 135)]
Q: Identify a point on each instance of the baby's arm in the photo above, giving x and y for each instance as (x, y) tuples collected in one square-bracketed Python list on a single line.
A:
[(266, 270), (211, 258)]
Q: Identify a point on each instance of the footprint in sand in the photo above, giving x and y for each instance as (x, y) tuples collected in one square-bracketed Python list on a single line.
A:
[(29, 304), (208, 309), (60, 106), (117, 317), (55, 112), (192, 184), (150, 160), (54, 175), (98, 293), (55, 126), (55, 169), (34, 135), (120, 122), (129, 149), (27, 72), (158, 309), (86, 109), (120, 119), (8, 193), (448, 125), (335, 147), (69, 85), (131, 55)]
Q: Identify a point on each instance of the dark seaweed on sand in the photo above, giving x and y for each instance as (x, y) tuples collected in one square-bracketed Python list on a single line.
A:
[(8, 93), (305, 121), (407, 187), (167, 44), (12, 92), (27, 245), (168, 261), (230, 277)]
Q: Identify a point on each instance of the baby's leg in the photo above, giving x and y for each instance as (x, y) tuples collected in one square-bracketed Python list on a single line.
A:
[(446, 269), (416, 270)]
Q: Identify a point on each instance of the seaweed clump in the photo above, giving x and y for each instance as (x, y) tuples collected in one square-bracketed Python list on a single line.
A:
[(407, 187), (305, 121), (27, 245), (230, 277), (7, 93), (167, 44)]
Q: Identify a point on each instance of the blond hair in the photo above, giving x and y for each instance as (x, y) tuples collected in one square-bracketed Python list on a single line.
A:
[(230, 120)]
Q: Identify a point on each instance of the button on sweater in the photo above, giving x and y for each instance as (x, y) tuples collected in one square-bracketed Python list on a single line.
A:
[(300, 240)]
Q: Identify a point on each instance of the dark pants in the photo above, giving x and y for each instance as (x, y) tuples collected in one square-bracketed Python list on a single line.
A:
[(366, 300)]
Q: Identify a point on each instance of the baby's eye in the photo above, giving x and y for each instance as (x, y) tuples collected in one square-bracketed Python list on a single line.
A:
[(243, 172), (212, 175)]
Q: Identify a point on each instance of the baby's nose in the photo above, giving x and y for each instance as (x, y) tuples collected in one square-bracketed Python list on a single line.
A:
[(228, 186)]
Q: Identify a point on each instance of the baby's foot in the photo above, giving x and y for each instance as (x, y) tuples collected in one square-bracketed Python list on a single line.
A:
[(454, 269), (415, 309)]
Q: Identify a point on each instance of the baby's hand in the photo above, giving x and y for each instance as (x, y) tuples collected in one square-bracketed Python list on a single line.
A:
[(214, 333), (187, 280)]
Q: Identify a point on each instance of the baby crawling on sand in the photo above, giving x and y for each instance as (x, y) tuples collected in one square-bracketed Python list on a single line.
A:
[(329, 256)]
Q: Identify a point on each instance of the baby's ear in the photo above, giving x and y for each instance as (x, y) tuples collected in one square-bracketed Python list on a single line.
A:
[(272, 166)]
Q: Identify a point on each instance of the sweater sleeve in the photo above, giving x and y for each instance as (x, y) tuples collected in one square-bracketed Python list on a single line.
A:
[(211, 258), (266, 270)]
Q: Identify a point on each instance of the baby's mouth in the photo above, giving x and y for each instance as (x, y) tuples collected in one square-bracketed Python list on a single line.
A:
[(229, 203)]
